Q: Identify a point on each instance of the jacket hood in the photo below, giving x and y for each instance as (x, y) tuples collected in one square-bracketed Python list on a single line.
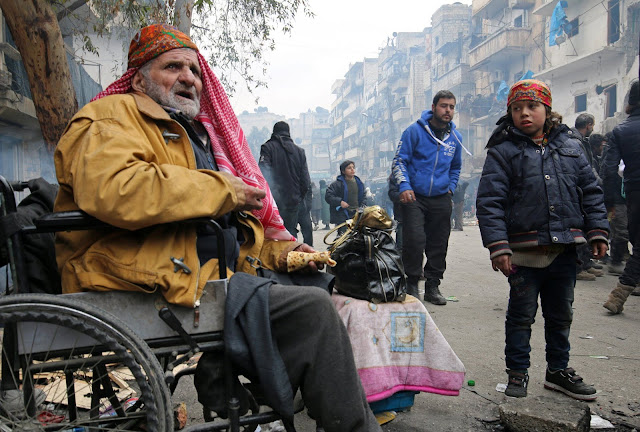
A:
[(285, 140), (427, 115), (506, 131)]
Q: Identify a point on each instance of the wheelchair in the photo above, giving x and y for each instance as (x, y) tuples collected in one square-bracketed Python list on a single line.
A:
[(72, 363)]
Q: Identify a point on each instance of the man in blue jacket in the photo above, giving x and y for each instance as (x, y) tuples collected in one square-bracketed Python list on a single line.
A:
[(426, 169)]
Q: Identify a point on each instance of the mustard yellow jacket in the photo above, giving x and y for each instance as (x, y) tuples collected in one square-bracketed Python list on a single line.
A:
[(123, 160)]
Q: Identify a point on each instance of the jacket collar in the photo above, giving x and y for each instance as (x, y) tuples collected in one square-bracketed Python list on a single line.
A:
[(149, 107)]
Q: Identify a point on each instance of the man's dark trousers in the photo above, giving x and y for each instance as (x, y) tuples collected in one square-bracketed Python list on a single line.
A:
[(306, 226), (426, 225), (290, 217), (316, 350), (631, 274)]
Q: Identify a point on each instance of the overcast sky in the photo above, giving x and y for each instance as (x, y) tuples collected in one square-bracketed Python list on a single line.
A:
[(305, 64)]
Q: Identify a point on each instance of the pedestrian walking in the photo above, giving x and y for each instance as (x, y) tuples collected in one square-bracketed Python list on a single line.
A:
[(624, 144), (458, 205), (326, 213), (304, 218), (394, 197), (426, 169), (537, 200), (284, 166), (345, 195), (583, 128), (316, 206)]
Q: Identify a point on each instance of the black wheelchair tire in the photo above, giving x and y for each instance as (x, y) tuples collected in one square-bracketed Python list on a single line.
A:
[(109, 332)]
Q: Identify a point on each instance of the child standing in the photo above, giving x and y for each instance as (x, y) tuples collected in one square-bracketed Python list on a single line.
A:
[(538, 199)]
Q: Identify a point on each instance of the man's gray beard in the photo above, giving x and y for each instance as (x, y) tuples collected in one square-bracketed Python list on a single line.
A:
[(190, 108)]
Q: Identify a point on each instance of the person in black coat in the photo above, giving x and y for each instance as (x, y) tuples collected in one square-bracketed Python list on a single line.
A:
[(458, 205), (345, 195), (284, 166), (624, 144)]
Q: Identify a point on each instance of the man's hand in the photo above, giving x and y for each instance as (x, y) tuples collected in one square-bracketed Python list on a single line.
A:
[(502, 263), (313, 266), (343, 204), (407, 197), (611, 213), (599, 248), (249, 197)]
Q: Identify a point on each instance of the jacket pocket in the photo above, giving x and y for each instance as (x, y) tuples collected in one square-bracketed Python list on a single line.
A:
[(569, 152), (98, 272)]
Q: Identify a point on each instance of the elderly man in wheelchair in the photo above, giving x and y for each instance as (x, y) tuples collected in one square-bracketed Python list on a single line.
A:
[(158, 147)]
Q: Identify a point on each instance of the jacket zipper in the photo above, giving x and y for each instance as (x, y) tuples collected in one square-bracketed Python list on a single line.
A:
[(196, 300), (433, 173)]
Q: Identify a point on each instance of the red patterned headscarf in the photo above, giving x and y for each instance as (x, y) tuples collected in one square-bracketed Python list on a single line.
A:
[(530, 89), (228, 142)]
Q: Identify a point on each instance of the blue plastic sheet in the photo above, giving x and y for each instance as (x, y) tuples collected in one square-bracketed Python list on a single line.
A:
[(559, 22)]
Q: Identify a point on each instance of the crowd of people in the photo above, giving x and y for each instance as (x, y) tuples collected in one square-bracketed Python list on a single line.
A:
[(132, 145)]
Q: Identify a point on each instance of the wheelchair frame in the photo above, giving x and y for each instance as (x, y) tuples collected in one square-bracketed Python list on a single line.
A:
[(156, 352)]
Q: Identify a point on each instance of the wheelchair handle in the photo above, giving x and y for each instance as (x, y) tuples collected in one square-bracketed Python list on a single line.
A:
[(19, 186)]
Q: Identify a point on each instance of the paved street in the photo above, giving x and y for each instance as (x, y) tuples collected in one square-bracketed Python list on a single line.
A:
[(605, 349)]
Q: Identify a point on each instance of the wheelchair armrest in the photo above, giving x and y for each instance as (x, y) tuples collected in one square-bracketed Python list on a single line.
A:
[(78, 220), (68, 221)]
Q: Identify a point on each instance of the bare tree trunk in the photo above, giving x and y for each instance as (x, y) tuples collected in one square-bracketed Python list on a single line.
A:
[(182, 16), (37, 35)]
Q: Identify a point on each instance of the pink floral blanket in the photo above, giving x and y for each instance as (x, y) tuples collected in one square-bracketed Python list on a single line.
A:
[(397, 346)]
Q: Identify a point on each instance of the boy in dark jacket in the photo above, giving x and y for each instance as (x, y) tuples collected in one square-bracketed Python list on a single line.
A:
[(537, 200), (345, 195)]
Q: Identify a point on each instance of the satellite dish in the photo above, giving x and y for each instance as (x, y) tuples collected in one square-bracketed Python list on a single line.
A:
[(395, 34), (599, 89)]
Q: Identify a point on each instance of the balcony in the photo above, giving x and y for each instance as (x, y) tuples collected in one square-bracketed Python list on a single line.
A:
[(489, 8), (604, 55), (546, 9), (501, 47), (400, 85), (401, 113), (350, 110), (351, 130), (455, 76), (352, 153)]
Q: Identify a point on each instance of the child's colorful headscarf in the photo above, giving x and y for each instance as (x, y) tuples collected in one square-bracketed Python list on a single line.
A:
[(529, 89), (228, 142)]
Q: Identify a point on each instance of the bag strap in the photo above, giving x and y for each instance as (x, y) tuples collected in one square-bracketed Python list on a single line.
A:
[(340, 239)]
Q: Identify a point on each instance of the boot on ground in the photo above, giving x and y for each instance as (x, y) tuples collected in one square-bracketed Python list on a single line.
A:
[(617, 297), (596, 272), (585, 276), (412, 287), (432, 295), (615, 268)]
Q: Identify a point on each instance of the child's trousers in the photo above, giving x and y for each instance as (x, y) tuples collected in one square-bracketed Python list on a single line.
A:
[(554, 284)]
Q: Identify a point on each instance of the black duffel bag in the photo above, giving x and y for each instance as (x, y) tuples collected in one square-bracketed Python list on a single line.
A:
[(369, 266)]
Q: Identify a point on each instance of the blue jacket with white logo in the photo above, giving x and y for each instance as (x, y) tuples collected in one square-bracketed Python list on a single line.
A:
[(425, 164)]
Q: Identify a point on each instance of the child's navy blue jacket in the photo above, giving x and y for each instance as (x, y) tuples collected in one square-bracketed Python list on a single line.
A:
[(530, 197)]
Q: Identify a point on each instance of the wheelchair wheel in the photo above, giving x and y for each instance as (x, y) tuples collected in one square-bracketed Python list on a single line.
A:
[(69, 366)]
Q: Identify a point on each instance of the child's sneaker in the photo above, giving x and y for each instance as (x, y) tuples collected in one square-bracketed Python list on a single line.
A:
[(518, 381), (569, 383)]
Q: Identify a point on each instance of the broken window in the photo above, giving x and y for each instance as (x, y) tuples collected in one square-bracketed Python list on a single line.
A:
[(518, 22), (581, 103), (573, 27), (611, 100), (613, 27)]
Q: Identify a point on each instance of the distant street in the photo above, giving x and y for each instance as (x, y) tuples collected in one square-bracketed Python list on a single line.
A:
[(604, 348)]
